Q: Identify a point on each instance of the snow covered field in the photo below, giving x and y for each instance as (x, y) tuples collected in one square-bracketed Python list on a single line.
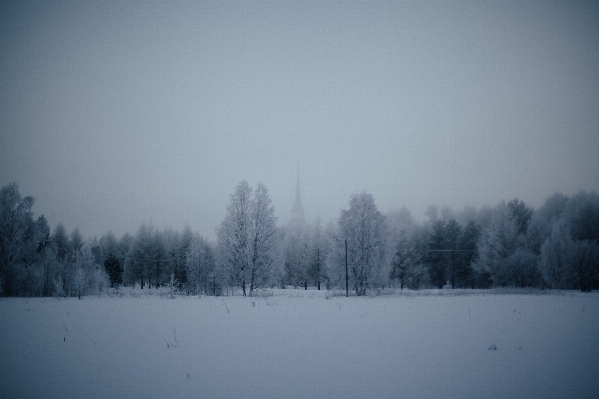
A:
[(301, 344)]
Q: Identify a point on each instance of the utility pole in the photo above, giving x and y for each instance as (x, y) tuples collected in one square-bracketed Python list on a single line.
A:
[(346, 273)]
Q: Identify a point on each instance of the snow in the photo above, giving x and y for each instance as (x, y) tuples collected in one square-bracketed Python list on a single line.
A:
[(301, 344)]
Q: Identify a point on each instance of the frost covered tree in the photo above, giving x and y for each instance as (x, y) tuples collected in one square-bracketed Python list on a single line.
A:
[(520, 269), (234, 235), (75, 244), (247, 237), (568, 255), (20, 239), (498, 242), (364, 228), (79, 282), (521, 214), (263, 236), (555, 263), (87, 277), (60, 241), (542, 221)]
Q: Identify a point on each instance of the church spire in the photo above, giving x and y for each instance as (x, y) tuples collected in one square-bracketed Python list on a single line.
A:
[(297, 212)]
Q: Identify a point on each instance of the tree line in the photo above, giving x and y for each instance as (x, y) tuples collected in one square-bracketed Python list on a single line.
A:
[(507, 245)]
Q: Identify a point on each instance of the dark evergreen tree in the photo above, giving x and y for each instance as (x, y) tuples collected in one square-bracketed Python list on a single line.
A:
[(452, 233), (114, 270), (140, 258), (435, 257), (464, 273), (403, 258)]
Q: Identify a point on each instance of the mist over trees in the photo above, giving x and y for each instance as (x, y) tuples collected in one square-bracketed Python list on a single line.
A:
[(506, 245)]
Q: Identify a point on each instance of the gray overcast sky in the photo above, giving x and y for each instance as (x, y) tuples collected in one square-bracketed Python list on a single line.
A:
[(114, 113)]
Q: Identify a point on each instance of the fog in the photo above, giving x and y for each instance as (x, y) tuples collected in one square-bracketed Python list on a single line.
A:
[(112, 114)]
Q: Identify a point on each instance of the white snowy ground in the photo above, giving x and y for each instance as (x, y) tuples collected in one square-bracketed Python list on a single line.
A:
[(301, 344)]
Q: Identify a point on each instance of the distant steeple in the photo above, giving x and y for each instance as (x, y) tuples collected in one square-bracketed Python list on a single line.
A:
[(297, 212)]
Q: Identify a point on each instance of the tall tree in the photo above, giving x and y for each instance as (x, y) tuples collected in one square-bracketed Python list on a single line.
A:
[(197, 269), (140, 257), (499, 240), (247, 236), (404, 257), (468, 252), (585, 264), (61, 243), (263, 237), (75, 244), (542, 221), (451, 244), (202, 274), (234, 235), (401, 226), (215, 279), (568, 258), (45, 254), (435, 257), (112, 258), (114, 269), (521, 214), (17, 233), (582, 215), (159, 272), (296, 248), (554, 263), (364, 228), (178, 252), (86, 277)]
